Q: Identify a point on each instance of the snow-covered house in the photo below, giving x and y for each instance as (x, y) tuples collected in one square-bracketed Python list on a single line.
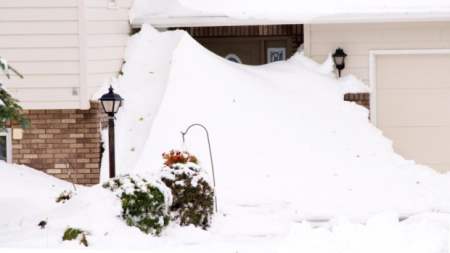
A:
[(401, 49), (65, 49)]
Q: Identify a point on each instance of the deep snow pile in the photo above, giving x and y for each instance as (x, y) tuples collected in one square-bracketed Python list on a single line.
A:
[(281, 133), (302, 11), (28, 196), (286, 148)]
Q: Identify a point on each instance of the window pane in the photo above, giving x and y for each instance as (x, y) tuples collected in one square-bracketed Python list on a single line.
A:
[(3, 148)]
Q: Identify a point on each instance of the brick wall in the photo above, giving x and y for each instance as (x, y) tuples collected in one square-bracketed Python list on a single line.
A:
[(359, 98), (63, 143)]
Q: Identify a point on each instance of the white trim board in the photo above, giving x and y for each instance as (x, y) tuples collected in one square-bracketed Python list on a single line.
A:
[(373, 71), (7, 133)]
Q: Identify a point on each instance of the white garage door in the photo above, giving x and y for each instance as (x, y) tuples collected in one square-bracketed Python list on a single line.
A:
[(412, 104)]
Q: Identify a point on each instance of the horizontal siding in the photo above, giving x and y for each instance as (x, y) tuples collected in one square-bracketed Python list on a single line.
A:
[(34, 27), (106, 53), (37, 3), (108, 66), (108, 33), (102, 14), (45, 94), (44, 81), (358, 39), (38, 14), (107, 40), (108, 27), (41, 54), (125, 4), (40, 39), (49, 105), (47, 68)]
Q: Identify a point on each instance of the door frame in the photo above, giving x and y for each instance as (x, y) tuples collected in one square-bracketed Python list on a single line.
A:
[(9, 152), (373, 71)]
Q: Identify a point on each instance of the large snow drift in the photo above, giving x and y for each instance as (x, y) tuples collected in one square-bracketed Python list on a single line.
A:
[(286, 147), (281, 133), (298, 11)]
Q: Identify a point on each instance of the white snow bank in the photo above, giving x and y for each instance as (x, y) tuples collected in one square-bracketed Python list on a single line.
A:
[(281, 133), (15, 180), (148, 58), (381, 233), (286, 147), (31, 195), (300, 11)]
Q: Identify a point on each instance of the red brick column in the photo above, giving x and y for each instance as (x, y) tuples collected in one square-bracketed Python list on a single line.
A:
[(63, 143), (359, 98)]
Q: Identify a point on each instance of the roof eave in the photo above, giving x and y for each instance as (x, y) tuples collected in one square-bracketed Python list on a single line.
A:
[(201, 21)]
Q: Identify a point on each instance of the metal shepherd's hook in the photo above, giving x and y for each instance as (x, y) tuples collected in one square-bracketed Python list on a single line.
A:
[(183, 134)]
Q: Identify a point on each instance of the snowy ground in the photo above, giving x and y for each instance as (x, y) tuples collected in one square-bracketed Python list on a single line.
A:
[(298, 169)]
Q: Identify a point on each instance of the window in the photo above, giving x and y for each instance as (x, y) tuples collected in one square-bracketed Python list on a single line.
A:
[(275, 54), (5, 146), (233, 58)]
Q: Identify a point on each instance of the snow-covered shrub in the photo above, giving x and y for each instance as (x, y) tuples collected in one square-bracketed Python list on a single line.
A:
[(144, 203), (76, 234), (10, 110), (174, 157), (193, 196), (64, 196)]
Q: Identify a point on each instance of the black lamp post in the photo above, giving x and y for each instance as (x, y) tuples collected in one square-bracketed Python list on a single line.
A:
[(111, 103), (339, 60)]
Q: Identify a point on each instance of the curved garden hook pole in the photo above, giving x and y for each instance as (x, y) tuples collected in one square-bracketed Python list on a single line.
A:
[(183, 134)]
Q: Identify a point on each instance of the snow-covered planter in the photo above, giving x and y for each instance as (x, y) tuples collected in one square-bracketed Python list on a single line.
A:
[(193, 196), (145, 203)]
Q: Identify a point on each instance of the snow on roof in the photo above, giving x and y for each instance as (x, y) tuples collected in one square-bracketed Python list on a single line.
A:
[(172, 13)]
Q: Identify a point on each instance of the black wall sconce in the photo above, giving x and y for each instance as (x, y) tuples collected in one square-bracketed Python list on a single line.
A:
[(339, 60)]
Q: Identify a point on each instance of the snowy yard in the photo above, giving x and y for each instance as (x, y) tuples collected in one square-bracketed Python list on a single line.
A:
[(297, 168)]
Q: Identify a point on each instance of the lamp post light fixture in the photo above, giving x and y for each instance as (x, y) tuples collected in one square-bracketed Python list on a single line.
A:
[(339, 60), (111, 102)]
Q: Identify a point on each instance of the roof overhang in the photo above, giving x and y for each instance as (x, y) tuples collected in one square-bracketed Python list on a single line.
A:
[(201, 21)]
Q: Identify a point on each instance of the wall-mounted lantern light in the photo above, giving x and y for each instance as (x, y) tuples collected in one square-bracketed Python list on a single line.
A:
[(111, 103), (339, 60)]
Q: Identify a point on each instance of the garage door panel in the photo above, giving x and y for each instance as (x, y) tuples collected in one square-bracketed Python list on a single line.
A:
[(413, 107), (421, 71), (426, 145)]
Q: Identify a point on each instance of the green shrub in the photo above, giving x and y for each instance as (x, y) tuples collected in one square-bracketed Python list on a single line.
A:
[(193, 196), (10, 110), (144, 204), (76, 234)]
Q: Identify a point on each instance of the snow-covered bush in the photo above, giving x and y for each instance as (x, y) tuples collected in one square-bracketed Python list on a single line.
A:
[(144, 202), (64, 196), (71, 234), (10, 110), (193, 196)]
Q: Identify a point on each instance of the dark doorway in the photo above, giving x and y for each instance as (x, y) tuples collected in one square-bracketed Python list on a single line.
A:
[(253, 45)]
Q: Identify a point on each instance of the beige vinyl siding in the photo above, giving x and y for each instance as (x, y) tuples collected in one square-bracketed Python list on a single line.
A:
[(66, 49), (108, 33), (358, 39), (40, 39), (411, 83)]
